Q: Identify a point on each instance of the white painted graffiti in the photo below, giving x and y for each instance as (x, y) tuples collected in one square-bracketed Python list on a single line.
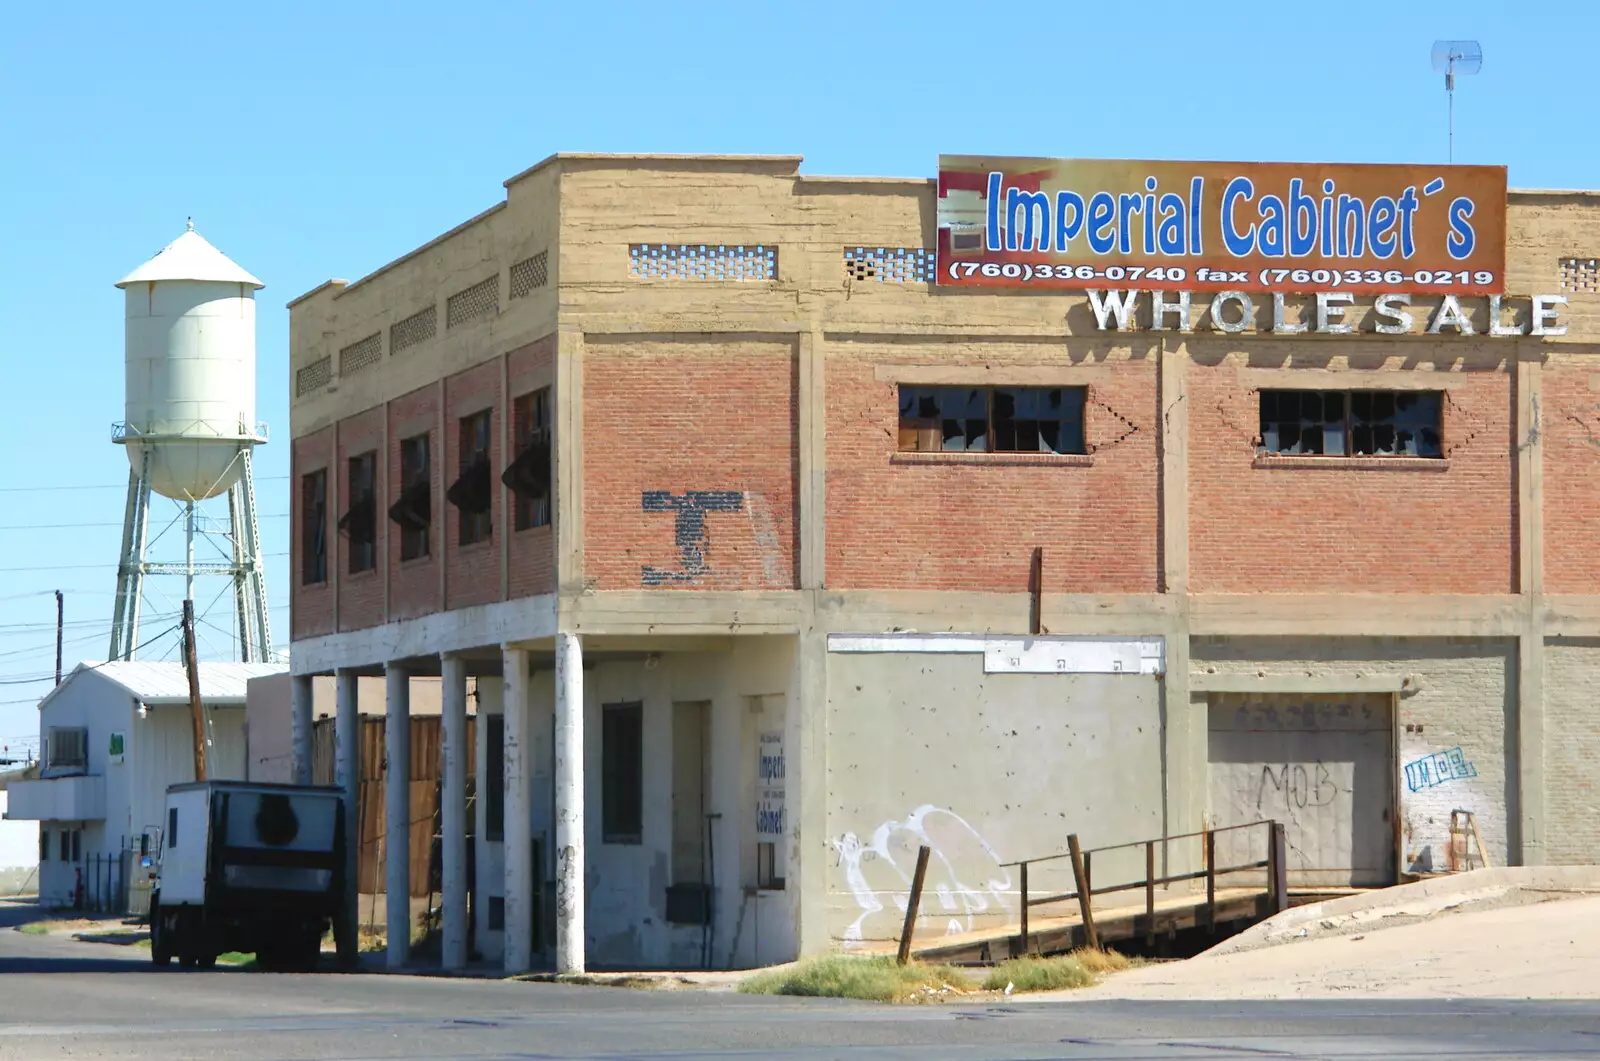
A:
[(880, 867)]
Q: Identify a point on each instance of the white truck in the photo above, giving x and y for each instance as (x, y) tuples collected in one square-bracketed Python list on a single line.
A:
[(253, 868)]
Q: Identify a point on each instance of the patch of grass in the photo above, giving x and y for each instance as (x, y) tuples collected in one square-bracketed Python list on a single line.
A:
[(1081, 968), (868, 979), (233, 957), (35, 928)]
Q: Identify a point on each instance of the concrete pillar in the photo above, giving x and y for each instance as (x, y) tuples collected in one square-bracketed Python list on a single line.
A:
[(347, 740), (301, 729), (569, 805), (454, 812), (519, 880), (397, 814)]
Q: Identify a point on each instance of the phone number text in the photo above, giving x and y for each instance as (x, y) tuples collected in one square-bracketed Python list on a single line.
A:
[(1269, 278)]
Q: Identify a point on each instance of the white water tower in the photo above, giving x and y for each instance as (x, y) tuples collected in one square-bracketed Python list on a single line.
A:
[(189, 430)]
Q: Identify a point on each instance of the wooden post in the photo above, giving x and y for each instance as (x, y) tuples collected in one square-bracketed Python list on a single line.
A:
[(1036, 592), (1278, 867), (1025, 947), (1150, 893), (61, 616), (1085, 898), (191, 664), (912, 902), (1211, 880)]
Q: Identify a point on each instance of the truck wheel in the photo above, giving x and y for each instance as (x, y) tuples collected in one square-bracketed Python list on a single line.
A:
[(206, 961), (160, 941)]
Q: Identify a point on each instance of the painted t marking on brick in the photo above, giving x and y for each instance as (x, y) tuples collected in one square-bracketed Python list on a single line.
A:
[(1433, 770), (689, 532)]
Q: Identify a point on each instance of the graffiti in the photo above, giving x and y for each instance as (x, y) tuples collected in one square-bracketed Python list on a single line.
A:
[(1438, 768), (956, 849), (689, 531), (1297, 784)]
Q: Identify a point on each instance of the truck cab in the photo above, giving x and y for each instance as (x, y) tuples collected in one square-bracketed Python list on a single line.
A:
[(254, 868)]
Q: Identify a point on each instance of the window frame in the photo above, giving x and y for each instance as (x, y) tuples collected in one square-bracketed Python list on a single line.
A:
[(1349, 425), (53, 742), (314, 527), (474, 439), (927, 434), (530, 420), (363, 556), (622, 773), (416, 542)]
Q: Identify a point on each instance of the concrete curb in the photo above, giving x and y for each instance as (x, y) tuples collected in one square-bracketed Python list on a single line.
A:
[(1419, 899)]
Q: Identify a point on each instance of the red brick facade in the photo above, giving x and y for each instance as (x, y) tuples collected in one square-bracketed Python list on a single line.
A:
[(310, 604), (1570, 419), (530, 553), (972, 521), (472, 572), (689, 465)]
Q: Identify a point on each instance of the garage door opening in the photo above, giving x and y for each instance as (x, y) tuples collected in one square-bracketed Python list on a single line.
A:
[(1324, 766)]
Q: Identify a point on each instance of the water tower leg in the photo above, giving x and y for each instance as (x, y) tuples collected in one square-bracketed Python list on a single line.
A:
[(130, 566), (188, 543), (119, 615), (247, 552), (241, 585)]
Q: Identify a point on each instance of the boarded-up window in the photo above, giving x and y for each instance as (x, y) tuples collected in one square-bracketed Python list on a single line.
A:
[(621, 773)]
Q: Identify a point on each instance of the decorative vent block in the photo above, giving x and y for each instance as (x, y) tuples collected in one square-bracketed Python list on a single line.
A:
[(893, 265), (365, 354), (701, 261), (313, 377), (530, 273), (417, 328), (476, 302), (1581, 275)]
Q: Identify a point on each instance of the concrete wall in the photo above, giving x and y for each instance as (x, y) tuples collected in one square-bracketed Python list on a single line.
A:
[(19, 854), (1464, 698), (984, 769)]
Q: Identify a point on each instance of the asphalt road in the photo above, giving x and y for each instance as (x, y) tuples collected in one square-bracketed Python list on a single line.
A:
[(61, 999)]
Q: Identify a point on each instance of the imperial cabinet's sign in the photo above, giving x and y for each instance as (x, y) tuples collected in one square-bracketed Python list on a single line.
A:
[(1213, 226)]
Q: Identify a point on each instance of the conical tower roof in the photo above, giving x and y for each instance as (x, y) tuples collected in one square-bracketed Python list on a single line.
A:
[(190, 257)]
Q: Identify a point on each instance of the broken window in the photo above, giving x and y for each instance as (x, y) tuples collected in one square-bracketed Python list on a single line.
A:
[(992, 419), (413, 510), (470, 493), (360, 523), (528, 474), (314, 527), (622, 773), (1352, 423)]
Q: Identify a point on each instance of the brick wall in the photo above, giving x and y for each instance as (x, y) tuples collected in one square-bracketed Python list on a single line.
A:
[(472, 572), (689, 465), (900, 522), (414, 584), (1382, 528), (310, 606), (361, 593), (1570, 422), (532, 558), (1572, 752)]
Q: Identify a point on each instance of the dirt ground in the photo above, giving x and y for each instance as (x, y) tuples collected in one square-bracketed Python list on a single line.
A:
[(1548, 949)]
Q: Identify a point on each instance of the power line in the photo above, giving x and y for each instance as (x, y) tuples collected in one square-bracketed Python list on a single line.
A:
[(106, 486), (99, 567), (75, 526)]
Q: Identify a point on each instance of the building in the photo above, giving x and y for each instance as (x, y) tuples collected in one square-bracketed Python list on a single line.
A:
[(113, 737), (19, 845), (702, 443)]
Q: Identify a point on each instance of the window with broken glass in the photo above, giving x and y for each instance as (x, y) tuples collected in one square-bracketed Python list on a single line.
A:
[(413, 509), (360, 523), (314, 527), (528, 474), (470, 493), (992, 419), (1352, 423)]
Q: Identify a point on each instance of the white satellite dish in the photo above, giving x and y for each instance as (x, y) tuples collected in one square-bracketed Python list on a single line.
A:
[(1451, 58)]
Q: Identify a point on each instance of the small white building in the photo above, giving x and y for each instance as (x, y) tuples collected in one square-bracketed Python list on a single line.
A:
[(113, 736)]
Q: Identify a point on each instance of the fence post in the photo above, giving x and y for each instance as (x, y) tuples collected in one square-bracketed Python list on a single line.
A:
[(1150, 893), (1080, 879), (1026, 949), (1278, 866), (913, 901), (1211, 881)]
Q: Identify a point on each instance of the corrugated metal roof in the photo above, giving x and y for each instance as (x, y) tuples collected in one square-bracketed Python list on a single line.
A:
[(190, 257), (165, 682)]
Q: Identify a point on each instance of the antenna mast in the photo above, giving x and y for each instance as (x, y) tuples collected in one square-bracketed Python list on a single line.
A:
[(1451, 58)]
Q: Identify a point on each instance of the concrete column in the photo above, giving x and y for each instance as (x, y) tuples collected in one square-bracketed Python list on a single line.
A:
[(301, 729), (454, 811), (519, 879), (569, 805), (397, 814), (347, 740)]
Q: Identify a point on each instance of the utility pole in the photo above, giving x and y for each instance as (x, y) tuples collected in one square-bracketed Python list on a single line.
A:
[(61, 614), (192, 665)]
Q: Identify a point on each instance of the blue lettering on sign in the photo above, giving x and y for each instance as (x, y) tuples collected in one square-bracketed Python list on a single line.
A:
[(769, 818)]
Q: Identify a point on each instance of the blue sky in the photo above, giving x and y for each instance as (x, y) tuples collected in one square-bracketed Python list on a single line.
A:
[(319, 140)]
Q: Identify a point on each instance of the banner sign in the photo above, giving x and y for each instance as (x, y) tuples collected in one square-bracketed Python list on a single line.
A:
[(770, 780), (1221, 226)]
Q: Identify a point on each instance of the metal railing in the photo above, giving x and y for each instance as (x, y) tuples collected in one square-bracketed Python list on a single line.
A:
[(1084, 891)]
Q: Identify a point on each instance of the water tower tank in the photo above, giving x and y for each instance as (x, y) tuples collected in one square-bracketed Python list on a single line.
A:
[(191, 369)]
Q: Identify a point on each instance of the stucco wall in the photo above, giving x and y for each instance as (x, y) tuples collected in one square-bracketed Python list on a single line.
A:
[(1572, 752), (984, 769)]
